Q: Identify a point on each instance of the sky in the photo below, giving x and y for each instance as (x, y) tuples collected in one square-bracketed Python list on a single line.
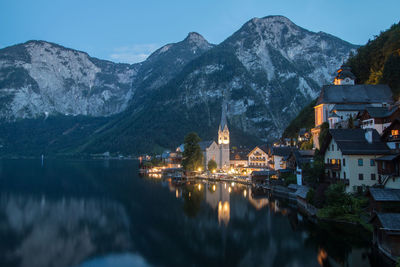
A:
[(129, 30)]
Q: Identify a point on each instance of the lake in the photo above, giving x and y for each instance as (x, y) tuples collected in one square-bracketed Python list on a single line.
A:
[(101, 213)]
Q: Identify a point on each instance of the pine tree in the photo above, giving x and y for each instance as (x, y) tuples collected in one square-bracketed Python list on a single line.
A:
[(192, 156)]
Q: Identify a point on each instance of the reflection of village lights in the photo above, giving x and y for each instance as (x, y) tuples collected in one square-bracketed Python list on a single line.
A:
[(245, 193), (223, 212), (321, 257), (214, 187), (177, 193), (190, 194), (233, 184), (225, 185), (214, 171), (199, 169), (229, 189), (199, 186)]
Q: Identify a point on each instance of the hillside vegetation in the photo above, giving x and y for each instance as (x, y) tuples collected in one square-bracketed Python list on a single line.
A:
[(378, 62)]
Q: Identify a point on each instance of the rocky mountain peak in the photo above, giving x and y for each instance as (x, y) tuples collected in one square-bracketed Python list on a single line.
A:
[(196, 39)]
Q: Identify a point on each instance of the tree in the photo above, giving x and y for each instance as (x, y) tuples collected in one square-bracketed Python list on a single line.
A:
[(212, 165), (351, 123), (192, 156), (323, 133)]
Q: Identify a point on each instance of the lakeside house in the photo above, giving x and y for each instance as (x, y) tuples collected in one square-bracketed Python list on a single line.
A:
[(278, 157), (258, 157), (239, 158), (350, 157), (339, 102), (384, 200), (386, 234), (297, 160)]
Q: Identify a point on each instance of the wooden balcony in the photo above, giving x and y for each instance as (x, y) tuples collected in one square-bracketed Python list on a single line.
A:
[(333, 167)]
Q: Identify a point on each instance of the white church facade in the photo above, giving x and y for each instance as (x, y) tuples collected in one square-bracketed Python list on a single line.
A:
[(219, 152)]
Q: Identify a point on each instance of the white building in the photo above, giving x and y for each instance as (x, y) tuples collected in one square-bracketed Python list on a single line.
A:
[(350, 157)]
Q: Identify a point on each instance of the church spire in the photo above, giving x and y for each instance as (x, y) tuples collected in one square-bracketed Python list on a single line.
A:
[(223, 122)]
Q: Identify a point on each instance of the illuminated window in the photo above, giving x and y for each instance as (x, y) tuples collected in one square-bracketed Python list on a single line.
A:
[(395, 132)]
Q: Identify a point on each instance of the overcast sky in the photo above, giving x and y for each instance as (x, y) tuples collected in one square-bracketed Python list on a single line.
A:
[(128, 31)]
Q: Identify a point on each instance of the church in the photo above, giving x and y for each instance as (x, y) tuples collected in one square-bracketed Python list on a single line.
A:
[(219, 152)]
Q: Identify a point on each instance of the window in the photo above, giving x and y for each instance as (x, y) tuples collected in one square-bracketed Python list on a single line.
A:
[(327, 160), (372, 162), (373, 177), (344, 175), (360, 162), (395, 132), (360, 176), (344, 162)]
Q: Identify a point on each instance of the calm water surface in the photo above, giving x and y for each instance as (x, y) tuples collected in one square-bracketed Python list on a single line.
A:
[(101, 213)]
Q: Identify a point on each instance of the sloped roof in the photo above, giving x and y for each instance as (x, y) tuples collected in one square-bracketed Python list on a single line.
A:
[(353, 142), (390, 221), (303, 156), (205, 144), (360, 93), (380, 112), (282, 151), (381, 194), (240, 152)]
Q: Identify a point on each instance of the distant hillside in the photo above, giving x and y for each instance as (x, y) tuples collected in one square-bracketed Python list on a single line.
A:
[(378, 62)]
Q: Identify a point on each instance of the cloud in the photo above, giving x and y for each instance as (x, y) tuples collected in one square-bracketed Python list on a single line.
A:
[(133, 53)]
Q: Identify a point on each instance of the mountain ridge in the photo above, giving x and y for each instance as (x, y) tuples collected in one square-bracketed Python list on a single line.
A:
[(266, 72)]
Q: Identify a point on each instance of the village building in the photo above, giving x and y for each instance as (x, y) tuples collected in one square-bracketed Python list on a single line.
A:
[(345, 100), (297, 160), (391, 135), (350, 157), (238, 158), (258, 158), (384, 200), (378, 118), (218, 152), (386, 234), (278, 157), (388, 171)]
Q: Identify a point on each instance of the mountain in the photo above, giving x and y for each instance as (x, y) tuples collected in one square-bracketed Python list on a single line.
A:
[(39, 78), (266, 72)]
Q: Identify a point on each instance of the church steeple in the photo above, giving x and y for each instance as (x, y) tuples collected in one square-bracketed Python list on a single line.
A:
[(223, 131)]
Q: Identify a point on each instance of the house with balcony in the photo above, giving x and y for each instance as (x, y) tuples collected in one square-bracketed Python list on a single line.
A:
[(278, 157), (378, 118), (350, 157), (258, 157)]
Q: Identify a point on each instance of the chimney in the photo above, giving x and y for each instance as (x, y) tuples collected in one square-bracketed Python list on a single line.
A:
[(368, 135)]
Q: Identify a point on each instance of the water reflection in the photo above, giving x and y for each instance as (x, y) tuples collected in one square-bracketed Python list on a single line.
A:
[(60, 232), (91, 214)]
